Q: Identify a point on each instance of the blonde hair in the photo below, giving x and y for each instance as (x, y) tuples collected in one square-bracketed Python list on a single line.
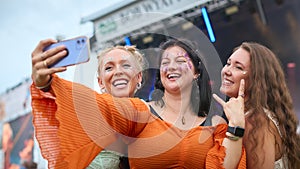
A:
[(132, 50)]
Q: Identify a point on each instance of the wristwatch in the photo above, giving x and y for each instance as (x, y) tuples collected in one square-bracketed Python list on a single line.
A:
[(237, 131)]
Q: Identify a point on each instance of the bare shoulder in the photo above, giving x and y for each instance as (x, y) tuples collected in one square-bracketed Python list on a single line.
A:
[(216, 119)]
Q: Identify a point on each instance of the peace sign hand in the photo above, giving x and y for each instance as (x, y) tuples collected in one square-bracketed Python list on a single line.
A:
[(234, 108)]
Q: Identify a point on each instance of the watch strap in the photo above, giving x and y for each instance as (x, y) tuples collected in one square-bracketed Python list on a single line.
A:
[(237, 131)]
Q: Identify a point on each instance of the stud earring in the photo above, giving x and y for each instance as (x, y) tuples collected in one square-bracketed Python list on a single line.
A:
[(196, 77)]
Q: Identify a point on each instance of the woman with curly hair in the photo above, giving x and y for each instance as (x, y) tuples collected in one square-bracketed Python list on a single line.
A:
[(270, 139)]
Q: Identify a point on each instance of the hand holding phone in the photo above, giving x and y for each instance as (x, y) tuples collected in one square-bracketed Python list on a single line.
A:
[(78, 51)]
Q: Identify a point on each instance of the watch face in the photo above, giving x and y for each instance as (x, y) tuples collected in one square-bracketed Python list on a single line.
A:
[(239, 131)]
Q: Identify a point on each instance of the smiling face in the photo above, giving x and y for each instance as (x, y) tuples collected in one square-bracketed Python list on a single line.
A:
[(237, 68), (176, 69), (119, 73)]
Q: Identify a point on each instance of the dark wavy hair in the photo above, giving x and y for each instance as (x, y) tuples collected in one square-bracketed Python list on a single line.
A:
[(202, 91), (268, 90)]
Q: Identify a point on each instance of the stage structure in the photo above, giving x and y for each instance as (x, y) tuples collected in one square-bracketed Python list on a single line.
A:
[(147, 23)]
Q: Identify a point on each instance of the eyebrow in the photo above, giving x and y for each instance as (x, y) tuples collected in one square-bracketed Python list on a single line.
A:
[(236, 62), (109, 61), (178, 56)]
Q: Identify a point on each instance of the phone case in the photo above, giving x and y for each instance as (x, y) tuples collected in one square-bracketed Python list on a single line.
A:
[(78, 51)]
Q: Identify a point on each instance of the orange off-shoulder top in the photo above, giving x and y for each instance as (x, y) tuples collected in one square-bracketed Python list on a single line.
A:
[(74, 123)]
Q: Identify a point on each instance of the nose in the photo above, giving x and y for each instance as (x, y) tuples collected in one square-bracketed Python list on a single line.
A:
[(172, 66), (226, 70), (119, 70)]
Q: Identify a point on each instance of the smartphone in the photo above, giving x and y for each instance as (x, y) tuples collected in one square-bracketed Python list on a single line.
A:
[(78, 51)]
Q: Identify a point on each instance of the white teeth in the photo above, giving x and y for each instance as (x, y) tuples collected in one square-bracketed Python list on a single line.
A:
[(173, 75), (227, 82), (120, 82)]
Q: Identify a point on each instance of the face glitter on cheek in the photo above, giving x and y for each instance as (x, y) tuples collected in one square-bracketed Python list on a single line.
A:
[(184, 67), (180, 67), (164, 69), (190, 64), (186, 56)]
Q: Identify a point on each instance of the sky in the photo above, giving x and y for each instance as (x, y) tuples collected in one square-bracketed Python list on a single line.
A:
[(24, 23)]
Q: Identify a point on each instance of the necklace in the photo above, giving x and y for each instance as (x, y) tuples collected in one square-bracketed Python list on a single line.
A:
[(183, 120)]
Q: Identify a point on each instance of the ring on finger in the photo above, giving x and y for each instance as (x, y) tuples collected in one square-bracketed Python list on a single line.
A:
[(45, 63)]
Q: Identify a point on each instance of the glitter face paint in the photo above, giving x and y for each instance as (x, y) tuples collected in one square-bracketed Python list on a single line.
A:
[(182, 61), (189, 60)]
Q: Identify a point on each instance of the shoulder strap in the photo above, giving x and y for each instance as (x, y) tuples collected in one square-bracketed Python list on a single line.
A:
[(272, 117), (154, 112)]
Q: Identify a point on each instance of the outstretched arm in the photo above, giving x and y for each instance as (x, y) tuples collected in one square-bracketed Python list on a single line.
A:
[(75, 125), (72, 122)]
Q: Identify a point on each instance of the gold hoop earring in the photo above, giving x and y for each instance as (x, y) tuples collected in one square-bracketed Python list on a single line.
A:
[(138, 85)]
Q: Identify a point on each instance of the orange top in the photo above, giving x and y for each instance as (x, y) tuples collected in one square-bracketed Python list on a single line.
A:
[(74, 123)]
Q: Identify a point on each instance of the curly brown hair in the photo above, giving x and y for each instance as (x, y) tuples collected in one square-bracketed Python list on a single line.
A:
[(270, 92)]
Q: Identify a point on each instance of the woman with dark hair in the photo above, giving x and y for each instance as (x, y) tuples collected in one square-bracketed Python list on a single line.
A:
[(271, 140), (168, 136), (202, 92)]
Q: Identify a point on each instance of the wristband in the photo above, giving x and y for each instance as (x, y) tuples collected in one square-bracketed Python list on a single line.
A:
[(232, 137), (46, 87)]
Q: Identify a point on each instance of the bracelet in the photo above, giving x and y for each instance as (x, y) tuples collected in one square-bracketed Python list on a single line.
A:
[(46, 87), (232, 137)]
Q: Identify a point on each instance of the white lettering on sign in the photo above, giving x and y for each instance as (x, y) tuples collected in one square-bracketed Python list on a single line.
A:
[(138, 15)]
